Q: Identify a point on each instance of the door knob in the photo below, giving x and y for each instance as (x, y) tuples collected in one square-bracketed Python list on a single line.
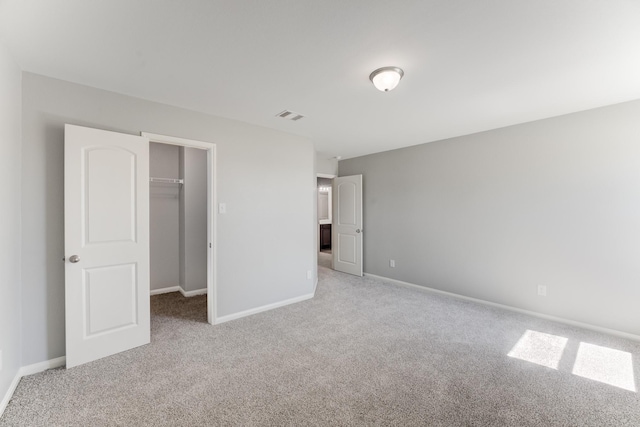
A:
[(358, 230), (74, 258)]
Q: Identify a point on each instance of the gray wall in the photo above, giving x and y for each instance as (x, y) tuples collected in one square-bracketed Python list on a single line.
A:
[(163, 217), (264, 176), (493, 215), (193, 219), (326, 165), (10, 110)]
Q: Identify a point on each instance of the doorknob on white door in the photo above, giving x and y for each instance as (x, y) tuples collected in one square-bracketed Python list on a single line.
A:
[(74, 258), (358, 230)]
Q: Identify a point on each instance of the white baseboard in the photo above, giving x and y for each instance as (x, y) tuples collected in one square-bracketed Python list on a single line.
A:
[(165, 290), (9, 394), (257, 310), (29, 370), (42, 366), (588, 326), (179, 289), (188, 294)]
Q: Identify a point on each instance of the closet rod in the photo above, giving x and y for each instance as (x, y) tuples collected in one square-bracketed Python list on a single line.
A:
[(167, 180)]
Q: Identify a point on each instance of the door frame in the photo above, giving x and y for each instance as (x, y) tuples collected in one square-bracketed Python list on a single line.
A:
[(212, 258)]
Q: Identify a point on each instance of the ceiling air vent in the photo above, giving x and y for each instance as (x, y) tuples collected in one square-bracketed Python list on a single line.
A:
[(290, 115)]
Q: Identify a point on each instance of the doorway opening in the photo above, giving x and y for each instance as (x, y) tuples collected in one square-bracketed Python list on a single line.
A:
[(325, 214), (182, 228)]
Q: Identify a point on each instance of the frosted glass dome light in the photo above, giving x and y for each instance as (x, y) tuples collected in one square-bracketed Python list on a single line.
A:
[(386, 78)]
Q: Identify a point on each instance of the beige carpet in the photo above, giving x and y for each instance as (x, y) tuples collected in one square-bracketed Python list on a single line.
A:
[(361, 352), (324, 259)]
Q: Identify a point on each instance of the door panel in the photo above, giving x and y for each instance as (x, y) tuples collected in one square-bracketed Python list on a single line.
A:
[(347, 203), (110, 298), (111, 173), (347, 249), (347, 224), (107, 230)]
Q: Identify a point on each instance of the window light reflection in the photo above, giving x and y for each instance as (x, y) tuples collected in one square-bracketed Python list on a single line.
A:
[(606, 365), (539, 348)]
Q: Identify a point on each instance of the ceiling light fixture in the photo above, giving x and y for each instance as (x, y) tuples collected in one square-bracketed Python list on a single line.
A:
[(386, 78)]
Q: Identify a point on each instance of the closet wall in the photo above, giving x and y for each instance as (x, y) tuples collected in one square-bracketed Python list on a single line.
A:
[(193, 219), (178, 218), (164, 205)]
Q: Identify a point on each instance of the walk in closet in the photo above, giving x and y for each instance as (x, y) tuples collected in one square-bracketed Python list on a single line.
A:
[(178, 219)]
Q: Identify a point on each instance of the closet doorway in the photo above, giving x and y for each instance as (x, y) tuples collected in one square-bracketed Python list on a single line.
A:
[(182, 218)]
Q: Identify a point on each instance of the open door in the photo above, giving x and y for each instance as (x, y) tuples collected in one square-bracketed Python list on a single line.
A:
[(106, 243), (347, 224)]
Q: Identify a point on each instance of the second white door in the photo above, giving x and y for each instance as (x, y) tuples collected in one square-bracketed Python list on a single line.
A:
[(347, 224)]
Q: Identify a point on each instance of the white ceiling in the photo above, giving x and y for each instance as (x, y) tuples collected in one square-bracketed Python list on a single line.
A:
[(469, 65)]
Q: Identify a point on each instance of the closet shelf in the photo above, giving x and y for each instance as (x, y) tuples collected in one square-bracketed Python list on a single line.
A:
[(167, 180)]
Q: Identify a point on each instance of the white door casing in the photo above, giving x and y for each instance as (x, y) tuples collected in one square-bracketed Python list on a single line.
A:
[(347, 233), (107, 229)]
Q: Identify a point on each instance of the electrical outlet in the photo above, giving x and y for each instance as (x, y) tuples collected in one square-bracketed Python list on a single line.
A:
[(392, 263), (542, 290), (222, 208), (309, 274)]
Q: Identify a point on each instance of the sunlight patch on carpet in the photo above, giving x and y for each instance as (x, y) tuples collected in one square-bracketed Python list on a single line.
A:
[(606, 365), (539, 348)]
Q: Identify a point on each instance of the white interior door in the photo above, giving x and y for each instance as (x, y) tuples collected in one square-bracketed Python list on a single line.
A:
[(106, 243), (346, 239)]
